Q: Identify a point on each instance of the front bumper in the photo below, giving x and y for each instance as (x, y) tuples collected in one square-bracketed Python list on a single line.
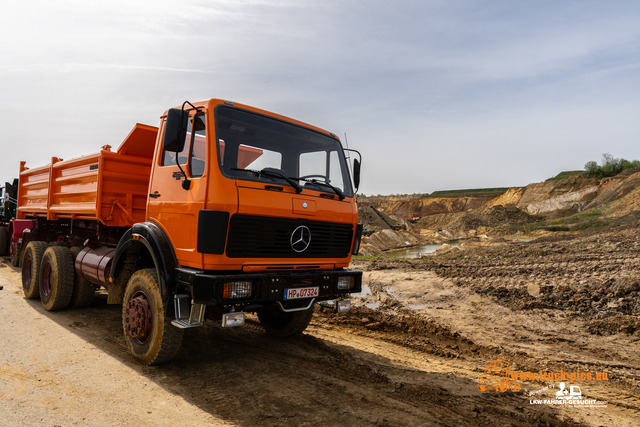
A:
[(267, 289)]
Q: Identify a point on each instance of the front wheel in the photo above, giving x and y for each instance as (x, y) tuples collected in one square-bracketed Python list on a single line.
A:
[(150, 336), (281, 324)]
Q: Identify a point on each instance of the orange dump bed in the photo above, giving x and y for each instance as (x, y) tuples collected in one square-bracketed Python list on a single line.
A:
[(107, 186)]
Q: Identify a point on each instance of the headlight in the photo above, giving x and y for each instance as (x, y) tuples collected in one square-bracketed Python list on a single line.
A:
[(345, 282), (237, 289)]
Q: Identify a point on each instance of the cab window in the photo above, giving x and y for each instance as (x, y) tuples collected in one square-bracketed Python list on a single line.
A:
[(194, 151)]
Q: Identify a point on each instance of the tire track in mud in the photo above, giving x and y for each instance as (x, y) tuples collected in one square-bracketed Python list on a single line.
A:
[(597, 276), (511, 405), (297, 382), (453, 390), (406, 330)]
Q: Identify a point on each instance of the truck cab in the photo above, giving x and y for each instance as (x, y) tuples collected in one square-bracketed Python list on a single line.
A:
[(259, 213), (238, 170)]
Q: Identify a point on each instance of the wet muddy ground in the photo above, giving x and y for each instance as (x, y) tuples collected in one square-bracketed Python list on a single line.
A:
[(564, 305)]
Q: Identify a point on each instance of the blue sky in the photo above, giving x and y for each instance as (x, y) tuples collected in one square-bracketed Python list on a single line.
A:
[(435, 94)]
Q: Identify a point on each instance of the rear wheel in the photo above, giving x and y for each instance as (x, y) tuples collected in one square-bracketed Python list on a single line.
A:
[(56, 278), (14, 252), (150, 336), (281, 324), (3, 241), (83, 290), (31, 261)]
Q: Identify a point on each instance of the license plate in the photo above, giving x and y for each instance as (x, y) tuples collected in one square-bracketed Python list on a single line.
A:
[(296, 293)]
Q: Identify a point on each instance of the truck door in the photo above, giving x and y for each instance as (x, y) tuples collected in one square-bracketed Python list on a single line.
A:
[(170, 205)]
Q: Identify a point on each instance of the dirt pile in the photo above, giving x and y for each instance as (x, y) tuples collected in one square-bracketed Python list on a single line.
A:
[(384, 237), (389, 239), (436, 221), (374, 219), (492, 217)]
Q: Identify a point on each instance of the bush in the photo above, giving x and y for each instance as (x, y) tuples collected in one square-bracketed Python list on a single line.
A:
[(610, 166)]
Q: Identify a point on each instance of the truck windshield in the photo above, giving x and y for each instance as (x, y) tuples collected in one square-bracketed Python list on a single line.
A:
[(250, 143)]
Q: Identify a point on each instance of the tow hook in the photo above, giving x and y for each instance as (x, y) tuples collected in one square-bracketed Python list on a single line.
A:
[(337, 305)]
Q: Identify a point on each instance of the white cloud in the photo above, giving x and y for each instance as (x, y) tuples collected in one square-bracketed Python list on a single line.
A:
[(434, 93)]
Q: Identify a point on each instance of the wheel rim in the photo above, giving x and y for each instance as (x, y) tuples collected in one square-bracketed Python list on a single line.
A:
[(26, 271), (47, 278), (139, 317)]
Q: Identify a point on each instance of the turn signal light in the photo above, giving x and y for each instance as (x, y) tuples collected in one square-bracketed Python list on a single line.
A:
[(237, 289), (345, 282)]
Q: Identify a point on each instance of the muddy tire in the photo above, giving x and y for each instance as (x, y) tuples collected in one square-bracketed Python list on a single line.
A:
[(14, 253), (56, 278), (281, 324), (150, 336), (83, 290), (31, 260), (4, 240)]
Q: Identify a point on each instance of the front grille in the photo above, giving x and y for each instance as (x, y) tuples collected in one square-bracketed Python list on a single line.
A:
[(265, 237)]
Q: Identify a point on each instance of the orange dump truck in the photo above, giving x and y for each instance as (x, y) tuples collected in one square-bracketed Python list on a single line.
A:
[(222, 210)]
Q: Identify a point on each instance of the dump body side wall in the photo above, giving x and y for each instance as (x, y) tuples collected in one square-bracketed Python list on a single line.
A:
[(110, 187)]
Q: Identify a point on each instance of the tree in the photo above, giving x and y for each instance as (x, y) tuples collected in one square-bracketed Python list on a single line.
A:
[(610, 166), (591, 167)]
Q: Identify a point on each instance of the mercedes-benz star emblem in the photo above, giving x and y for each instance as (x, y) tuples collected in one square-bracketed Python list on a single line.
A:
[(300, 239)]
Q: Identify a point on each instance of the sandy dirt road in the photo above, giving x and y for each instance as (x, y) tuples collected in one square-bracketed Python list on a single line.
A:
[(415, 359)]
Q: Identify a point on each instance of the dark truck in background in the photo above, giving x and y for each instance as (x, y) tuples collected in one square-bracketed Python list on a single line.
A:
[(8, 204)]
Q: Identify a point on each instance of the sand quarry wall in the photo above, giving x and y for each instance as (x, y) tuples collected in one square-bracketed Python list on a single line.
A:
[(537, 198), (408, 206), (563, 193), (561, 197)]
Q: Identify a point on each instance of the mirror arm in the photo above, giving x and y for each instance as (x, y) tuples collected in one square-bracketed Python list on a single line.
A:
[(186, 183), (187, 102)]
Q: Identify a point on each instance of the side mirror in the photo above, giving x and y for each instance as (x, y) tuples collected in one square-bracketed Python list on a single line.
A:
[(356, 173), (175, 130)]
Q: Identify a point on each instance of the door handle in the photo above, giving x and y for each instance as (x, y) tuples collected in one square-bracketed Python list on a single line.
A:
[(154, 195)]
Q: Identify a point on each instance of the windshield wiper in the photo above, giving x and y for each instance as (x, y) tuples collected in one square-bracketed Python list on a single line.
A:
[(325, 182), (273, 173)]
